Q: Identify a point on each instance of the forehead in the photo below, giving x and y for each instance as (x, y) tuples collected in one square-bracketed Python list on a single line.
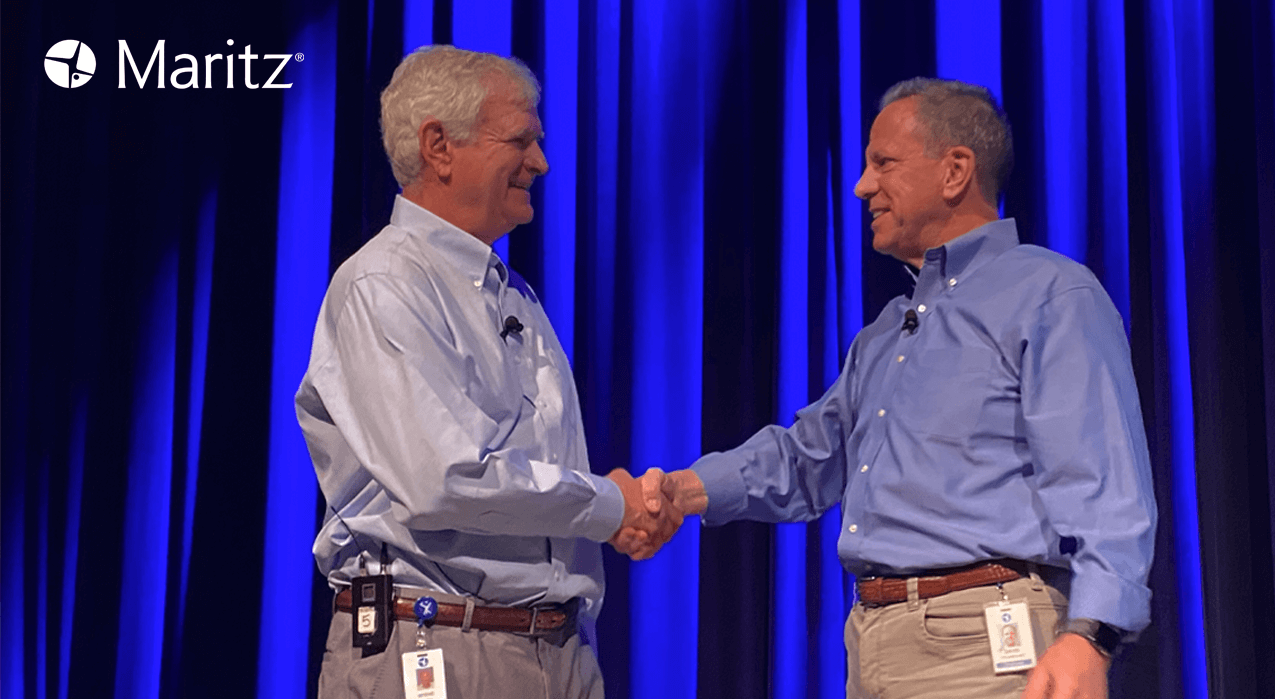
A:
[(507, 108), (896, 125)]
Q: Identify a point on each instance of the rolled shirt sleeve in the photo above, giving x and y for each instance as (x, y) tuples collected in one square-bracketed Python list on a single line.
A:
[(1091, 468)]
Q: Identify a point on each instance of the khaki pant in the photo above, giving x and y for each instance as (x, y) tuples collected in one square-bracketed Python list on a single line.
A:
[(938, 648), (478, 664)]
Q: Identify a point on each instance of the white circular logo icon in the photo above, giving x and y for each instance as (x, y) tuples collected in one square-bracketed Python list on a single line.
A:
[(70, 63)]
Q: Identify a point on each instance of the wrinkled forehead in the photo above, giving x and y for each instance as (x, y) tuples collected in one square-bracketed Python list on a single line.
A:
[(507, 105), (510, 118)]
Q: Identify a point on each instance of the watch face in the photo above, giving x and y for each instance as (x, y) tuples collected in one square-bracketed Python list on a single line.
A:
[(1109, 637)]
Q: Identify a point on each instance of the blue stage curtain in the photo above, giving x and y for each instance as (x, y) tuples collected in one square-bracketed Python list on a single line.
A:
[(301, 272), (698, 248)]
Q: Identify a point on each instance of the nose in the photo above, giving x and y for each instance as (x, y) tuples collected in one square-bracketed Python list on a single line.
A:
[(536, 162), (867, 185)]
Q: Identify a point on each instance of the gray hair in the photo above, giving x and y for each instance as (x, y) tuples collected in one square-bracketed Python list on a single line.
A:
[(960, 114), (444, 83)]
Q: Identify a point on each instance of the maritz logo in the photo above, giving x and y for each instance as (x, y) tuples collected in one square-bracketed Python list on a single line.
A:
[(70, 63), (187, 67)]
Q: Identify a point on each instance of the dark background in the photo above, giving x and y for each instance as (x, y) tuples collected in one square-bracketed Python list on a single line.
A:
[(105, 192)]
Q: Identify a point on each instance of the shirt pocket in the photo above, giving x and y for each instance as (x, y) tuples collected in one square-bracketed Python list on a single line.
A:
[(942, 391)]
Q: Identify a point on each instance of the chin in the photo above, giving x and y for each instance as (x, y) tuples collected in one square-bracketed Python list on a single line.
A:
[(523, 216)]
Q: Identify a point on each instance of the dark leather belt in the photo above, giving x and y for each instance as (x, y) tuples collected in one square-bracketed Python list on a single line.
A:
[(895, 589), (543, 619)]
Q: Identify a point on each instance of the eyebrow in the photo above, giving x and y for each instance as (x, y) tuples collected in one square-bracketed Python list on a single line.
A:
[(879, 154), (528, 132)]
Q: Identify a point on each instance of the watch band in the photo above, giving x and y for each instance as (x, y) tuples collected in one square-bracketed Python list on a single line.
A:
[(1104, 637)]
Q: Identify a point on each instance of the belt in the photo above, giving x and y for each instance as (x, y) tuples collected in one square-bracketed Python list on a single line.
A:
[(543, 619), (890, 590)]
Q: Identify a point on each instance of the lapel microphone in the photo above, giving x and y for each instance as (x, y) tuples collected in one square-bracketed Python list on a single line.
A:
[(511, 326), (910, 321)]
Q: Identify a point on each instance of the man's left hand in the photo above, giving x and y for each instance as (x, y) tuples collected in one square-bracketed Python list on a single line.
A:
[(1070, 669)]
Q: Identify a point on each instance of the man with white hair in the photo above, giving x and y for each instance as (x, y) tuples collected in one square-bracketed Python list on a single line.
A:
[(442, 418)]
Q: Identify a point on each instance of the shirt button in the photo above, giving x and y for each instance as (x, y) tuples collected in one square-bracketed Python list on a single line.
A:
[(920, 309), (854, 528), (881, 412), (900, 358), (863, 468), (951, 282), (478, 283)]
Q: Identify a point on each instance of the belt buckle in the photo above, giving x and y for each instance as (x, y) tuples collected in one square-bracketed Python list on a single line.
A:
[(535, 612)]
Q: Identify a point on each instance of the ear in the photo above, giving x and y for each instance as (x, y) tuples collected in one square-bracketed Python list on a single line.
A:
[(958, 173), (436, 148)]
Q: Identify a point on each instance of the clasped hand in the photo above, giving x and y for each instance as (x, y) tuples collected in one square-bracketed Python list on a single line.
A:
[(654, 506)]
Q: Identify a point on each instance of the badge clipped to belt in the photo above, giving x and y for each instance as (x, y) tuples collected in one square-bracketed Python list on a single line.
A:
[(1009, 631), (423, 673)]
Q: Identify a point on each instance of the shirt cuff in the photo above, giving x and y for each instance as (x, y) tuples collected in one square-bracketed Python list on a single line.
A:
[(724, 485), (1099, 595), (606, 514)]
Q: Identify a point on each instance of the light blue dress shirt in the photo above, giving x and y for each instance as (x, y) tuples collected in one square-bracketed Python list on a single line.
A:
[(1006, 426), (463, 451)]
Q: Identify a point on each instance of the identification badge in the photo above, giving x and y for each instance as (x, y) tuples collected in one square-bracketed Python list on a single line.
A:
[(423, 675), (1009, 629)]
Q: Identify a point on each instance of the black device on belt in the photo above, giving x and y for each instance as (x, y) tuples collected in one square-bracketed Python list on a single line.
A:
[(373, 608)]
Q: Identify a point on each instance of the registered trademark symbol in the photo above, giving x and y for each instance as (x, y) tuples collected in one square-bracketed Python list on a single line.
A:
[(300, 57)]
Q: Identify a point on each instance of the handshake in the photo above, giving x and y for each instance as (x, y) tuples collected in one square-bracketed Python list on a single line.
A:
[(654, 506)]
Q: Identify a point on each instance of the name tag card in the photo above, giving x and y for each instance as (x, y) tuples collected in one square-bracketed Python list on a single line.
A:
[(1009, 629), (423, 674)]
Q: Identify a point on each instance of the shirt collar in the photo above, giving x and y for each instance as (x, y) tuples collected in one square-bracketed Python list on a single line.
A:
[(454, 246), (964, 253)]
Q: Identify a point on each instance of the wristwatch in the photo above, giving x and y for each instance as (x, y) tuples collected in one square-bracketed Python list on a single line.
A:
[(1104, 637)]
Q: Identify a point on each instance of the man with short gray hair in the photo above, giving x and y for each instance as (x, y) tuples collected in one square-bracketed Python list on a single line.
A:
[(984, 438), (442, 418)]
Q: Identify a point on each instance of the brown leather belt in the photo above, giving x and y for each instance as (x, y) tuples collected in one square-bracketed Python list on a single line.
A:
[(895, 589), (509, 619)]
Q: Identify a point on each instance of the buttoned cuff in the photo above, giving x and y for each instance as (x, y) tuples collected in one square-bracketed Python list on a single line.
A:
[(605, 515), (724, 485), (1097, 594)]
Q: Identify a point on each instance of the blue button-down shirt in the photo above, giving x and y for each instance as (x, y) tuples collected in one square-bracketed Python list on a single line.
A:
[(1007, 425), (463, 451)]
